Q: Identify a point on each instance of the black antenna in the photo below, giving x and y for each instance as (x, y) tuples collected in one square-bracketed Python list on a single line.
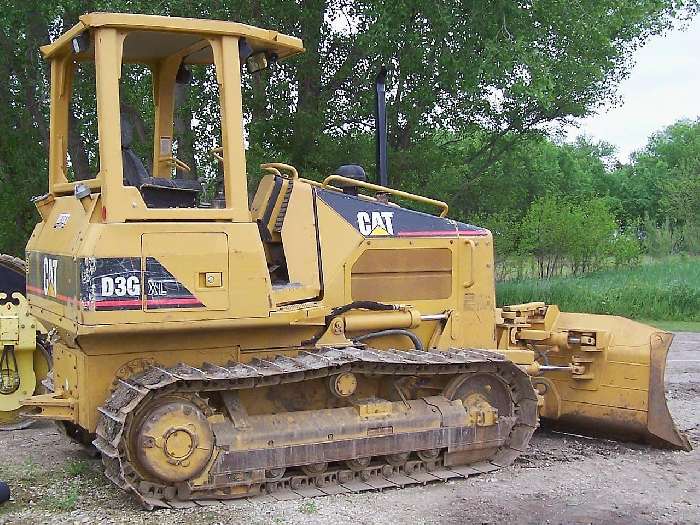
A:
[(381, 127)]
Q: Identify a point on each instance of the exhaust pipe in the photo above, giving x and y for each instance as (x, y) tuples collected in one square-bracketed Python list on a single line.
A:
[(381, 127)]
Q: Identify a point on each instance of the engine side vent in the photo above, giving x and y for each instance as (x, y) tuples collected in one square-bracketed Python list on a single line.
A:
[(402, 275)]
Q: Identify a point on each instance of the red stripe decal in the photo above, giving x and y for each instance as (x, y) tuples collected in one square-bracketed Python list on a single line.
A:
[(176, 301), (39, 291), (118, 302), (189, 301), (442, 233), (151, 302)]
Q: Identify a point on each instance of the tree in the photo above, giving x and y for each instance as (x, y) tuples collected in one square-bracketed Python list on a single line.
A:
[(661, 186), (471, 82)]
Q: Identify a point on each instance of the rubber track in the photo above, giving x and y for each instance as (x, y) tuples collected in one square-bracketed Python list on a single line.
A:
[(130, 393)]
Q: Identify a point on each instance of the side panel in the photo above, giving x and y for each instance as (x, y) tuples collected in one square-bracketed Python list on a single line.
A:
[(474, 320), (185, 270), (52, 275), (100, 275), (299, 241)]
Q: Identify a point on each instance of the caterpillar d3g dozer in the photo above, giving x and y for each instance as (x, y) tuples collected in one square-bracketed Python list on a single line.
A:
[(24, 350), (320, 340)]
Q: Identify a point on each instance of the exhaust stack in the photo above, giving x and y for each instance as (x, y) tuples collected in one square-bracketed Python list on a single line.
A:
[(381, 127)]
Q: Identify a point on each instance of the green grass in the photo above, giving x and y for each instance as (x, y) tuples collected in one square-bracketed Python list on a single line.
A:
[(665, 290), (63, 502), (308, 507), (56, 489), (76, 468), (674, 326)]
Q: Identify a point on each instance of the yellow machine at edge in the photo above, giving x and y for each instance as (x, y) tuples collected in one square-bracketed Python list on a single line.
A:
[(25, 356), (321, 340)]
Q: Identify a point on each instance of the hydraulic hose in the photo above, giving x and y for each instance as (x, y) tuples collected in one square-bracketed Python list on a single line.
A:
[(417, 343), (361, 305)]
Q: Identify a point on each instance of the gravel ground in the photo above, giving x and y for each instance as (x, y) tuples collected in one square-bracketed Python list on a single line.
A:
[(561, 479)]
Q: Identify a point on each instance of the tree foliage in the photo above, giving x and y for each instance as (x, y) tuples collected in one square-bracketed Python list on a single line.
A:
[(661, 187), (473, 88)]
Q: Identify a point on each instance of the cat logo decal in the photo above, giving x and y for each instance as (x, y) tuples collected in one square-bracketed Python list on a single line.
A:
[(375, 223)]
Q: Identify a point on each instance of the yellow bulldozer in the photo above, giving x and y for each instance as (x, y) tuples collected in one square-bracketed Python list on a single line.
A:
[(25, 357), (325, 338)]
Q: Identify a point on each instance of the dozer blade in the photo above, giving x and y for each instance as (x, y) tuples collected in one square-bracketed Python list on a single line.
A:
[(615, 388)]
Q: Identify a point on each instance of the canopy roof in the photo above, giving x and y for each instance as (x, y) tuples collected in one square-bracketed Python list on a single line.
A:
[(154, 37)]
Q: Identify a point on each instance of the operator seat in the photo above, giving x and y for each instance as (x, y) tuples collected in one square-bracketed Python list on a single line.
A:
[(157, 192)]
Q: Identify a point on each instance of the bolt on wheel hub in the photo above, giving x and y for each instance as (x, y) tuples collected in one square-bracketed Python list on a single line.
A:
[(180, 443)]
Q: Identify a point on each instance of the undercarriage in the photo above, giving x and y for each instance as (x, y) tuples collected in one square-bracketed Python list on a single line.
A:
[(386, 418)]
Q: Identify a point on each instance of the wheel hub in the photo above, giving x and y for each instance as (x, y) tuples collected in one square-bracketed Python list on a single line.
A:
[(480, 411), (173, 440)]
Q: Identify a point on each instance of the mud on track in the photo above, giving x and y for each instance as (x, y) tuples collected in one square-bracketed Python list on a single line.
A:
[(561, 479)]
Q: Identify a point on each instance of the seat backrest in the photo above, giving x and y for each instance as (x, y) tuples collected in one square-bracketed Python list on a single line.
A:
[(156, 192), (135, 173)]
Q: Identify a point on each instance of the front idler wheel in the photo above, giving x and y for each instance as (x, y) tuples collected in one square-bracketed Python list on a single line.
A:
[(485, 397)]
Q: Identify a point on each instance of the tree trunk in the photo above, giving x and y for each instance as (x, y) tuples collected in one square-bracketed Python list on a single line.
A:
[(36, 87), (308, 121), (77, 151), (182, 124)]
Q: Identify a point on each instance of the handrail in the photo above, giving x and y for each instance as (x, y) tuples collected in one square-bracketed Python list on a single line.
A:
[(69, 187), (294, 174), (339, 190), (376, 187), (175, 162)]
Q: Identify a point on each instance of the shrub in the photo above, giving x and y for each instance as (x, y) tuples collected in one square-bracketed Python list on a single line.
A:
[(547, 230), (625, 250), (659, 241), (691, 237), (505, 228), (594, 229), (558, 232)]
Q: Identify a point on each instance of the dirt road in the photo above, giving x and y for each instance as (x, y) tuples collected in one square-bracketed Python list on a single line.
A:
[(561, 479)]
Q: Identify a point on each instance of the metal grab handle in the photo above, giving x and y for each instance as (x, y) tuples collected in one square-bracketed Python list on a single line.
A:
[(215, 152), (174, 161), (181, 165), (376, 187), (269, 166)]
